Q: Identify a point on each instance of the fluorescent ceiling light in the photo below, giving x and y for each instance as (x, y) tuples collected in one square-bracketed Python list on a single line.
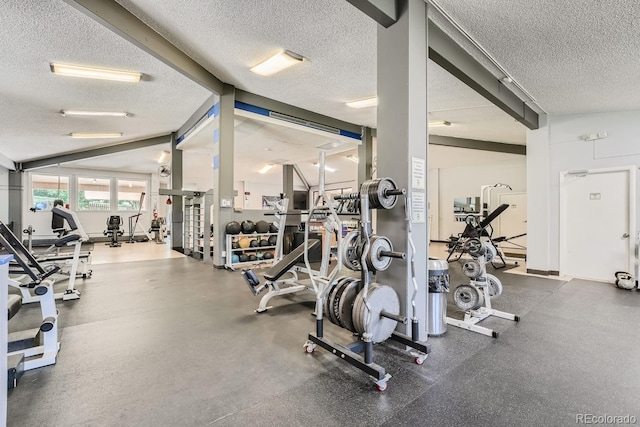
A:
[(354, 159), (439, 123), (95, 73), (95, 135), (266, 168), (277, 62), (326, 168), (93, 113), (164, 157), (363, 103)]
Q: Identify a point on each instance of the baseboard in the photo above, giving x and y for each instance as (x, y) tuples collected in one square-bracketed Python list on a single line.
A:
[(543, 272)]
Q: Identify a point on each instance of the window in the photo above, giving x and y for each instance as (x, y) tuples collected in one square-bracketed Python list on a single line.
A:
[(129, 194), (94, 194), (47, 188)]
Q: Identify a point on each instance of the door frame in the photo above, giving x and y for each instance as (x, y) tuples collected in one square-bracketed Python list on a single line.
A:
[(632, 212)]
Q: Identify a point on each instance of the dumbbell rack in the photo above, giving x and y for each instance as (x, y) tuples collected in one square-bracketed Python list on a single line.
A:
[(371, 196)]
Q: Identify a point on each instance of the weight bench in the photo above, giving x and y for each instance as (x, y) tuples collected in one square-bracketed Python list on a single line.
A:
[(273, 274), (477, 230)]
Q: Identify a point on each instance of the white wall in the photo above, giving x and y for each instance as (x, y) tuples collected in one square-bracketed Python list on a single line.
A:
[(197, 171), (557, 147), (4, 194), (94, 223), (460, 172)]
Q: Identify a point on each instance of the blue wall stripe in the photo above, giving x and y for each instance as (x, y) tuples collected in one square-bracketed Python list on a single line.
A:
[(251, 108), (216, 135), (179, 140), (214, 111), (216, 162), (350, 134)]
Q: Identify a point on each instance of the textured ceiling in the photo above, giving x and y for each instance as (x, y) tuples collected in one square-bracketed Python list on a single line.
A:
[(34, 34), (573, 56)]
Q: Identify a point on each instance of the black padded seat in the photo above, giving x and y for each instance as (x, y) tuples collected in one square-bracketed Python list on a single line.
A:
[(287, 263), (14, 302)]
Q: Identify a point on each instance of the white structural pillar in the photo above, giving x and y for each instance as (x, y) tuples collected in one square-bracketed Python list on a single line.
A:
[(402, 148), (223, 173)]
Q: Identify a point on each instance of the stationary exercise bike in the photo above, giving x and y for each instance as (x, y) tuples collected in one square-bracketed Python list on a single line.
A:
[(113, 230)]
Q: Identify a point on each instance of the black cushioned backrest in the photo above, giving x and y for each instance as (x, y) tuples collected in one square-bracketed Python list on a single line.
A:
[(286, 263)]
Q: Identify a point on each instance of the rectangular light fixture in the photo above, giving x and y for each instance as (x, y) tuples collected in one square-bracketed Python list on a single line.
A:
[(354, 159), (437, 123), (266, 168), (164, 157), (326, 168), (95, 135), (95, 73), (93, 113), (277, 62), (363, 103)]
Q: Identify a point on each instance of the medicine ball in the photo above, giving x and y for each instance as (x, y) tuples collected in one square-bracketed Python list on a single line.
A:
[(252, 257), (260, 255), (267, 255), (264, 242), (234, 245), (253, 243), (244, 242), (262, 227), (232, 227), (273, 228), (248, 226), (235, 258), (244, 257), (273, 240)]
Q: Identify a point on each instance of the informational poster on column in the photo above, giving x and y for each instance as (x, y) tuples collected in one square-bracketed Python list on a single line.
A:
[(418, 173), (418, 208)]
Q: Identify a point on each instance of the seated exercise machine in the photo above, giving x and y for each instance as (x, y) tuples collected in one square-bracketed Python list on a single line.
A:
[(158, 230), (33, 348), (476, 230), (475, 298), (113, 230), (29, 273), (277, 287)]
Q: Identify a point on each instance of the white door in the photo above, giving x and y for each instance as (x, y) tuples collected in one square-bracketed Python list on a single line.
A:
[(513, 222), (596, 227)]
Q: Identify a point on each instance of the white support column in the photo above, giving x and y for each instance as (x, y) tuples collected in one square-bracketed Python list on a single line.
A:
[(402, 144)]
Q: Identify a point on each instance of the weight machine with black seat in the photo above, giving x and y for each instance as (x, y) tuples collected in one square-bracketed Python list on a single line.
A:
[(475, 298), (113, 230), (477, 230)]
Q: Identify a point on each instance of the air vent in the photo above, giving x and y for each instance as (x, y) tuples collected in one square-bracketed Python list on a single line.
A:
[(305, 123)]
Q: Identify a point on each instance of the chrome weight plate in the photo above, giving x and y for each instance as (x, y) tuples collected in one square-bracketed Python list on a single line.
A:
[(375, 261), (380, 298), (471, 269), (495, 286), (376, 190), (329, 312), (350, 252), (468, 297), (474, 246), (490, 252), (345, 307)]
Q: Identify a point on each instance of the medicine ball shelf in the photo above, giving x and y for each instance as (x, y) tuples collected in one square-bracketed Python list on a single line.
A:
[(253, 250)]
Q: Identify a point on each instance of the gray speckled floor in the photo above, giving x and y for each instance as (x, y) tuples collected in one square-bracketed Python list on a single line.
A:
[(175, 342)]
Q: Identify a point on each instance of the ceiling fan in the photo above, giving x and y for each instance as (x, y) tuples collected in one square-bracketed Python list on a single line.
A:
[(164, 171)]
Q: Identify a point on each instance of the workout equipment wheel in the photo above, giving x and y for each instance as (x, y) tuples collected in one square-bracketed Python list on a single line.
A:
[(419, 360), (468, 297), (309, 349), (495, 286), (382, 387)]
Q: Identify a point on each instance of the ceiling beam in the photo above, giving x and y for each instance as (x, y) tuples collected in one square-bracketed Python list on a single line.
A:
[(94, 152), (296, 168), (444, 51), (119, 20), (7, 163), (296, 112), (474, 144), (384, 12)]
